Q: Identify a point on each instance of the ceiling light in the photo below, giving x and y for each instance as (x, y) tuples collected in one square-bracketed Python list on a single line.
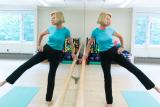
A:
[(119, 3), (50, 2), (114, 2), (55, 1), (43, 2), (126, 3)]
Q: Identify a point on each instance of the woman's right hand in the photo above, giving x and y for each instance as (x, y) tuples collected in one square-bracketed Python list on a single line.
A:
[(40, 48), (85, 57), (73, 56)]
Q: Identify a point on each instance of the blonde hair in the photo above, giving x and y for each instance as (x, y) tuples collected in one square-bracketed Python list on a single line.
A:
[(59, 17), (102, 17)]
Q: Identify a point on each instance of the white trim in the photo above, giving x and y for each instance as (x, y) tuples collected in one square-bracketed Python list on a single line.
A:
[(35, 29), (21, 29), (16, 7), (133, 37), (146, 10)]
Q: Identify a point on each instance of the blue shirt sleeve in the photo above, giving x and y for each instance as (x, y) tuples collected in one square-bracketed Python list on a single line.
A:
[(93, 35), (50, 29), (68, 33), (113, 30)]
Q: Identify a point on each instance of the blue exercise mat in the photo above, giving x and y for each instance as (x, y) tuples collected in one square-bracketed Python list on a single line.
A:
[(18, 97), (140, 99)]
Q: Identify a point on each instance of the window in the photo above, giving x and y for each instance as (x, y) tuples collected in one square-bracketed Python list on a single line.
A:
[(17, 26), (147, 30), (9, 27), (155, 31), (141, 29)]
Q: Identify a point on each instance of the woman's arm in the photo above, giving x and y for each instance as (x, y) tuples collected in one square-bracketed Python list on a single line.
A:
[(71, 43), (72, 46), (121, 40), (40, 39), (90, 42)]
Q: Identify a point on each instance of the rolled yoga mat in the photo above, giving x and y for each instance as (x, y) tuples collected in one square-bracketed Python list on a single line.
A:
[(18, 97)]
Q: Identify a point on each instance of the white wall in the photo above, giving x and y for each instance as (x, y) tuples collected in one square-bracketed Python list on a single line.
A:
[(121, 22), (76, 18), (80, 22)]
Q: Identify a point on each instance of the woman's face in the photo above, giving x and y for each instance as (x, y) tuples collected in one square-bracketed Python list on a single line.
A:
[(108, 20), (53, 18)]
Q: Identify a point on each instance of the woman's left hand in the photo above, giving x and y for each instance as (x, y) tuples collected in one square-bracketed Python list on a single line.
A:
[(120, 50)]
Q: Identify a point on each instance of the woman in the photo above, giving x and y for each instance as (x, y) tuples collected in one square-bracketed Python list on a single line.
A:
[(108, 52), (52, 51)]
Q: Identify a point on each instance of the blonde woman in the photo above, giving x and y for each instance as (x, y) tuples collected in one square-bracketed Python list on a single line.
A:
[(108, 52), (52, 51)]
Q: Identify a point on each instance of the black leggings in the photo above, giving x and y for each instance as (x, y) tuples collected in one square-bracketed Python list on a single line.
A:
[(111, 55), (53, 57)]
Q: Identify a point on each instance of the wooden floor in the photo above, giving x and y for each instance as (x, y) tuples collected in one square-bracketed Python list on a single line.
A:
[(94, 85)]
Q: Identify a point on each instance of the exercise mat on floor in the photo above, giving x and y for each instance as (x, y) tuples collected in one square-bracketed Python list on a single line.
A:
[(18, 97), (140, 99)]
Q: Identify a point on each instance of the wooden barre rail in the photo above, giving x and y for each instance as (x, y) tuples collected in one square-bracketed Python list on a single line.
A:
[(80, 92), (60, 99)]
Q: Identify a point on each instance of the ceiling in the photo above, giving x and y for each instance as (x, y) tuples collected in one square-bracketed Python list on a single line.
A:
[(85, 3)]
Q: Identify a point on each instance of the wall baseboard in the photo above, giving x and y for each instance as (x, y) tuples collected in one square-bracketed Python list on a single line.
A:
[(15, 56), (147, 60)]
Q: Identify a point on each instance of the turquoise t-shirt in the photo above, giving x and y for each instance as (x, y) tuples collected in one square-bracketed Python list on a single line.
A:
[(104, 38), (57, 37)]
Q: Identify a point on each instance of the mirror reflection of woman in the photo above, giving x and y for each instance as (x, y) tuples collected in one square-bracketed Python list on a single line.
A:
[(108, 53), (52, 51)]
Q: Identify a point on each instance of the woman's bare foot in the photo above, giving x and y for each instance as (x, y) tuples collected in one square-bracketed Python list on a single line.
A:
[(108, 105), (2, 83), (157, 89), (49, 103)]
